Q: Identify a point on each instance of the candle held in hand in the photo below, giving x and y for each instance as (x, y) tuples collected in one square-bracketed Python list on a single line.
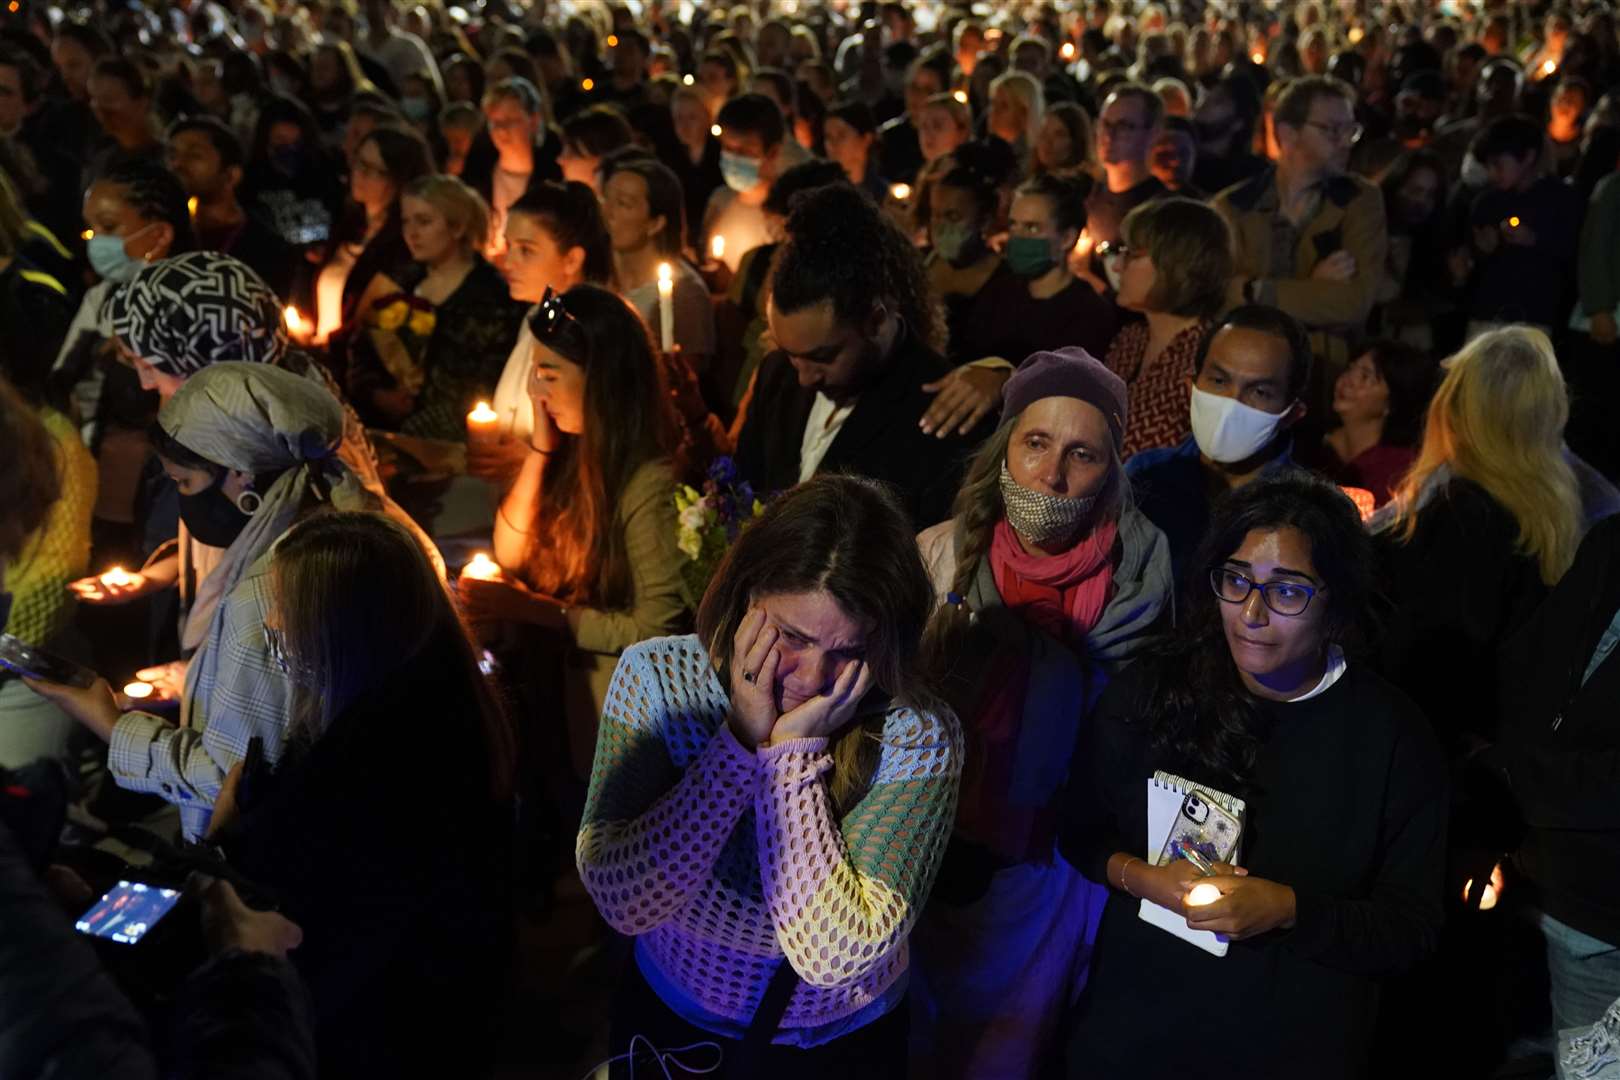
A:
[(900, 192), (481, 568), (297, 325), (481, 424), (1067, 51), (666, 308), (717, 247), (1201, 894), (119, 578), (138, 690)]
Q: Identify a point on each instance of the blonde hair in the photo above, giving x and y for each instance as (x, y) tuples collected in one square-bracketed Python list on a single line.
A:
[(1498, 420), (1023, 86), (462, 207)]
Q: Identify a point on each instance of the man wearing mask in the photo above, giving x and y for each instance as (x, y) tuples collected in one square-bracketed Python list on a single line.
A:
[(207, 157), (751, 158), (856, 340), (1247, 395), (1127, 128), (1308, 237)]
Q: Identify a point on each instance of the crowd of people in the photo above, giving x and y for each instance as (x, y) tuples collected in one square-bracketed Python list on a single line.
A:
[(993, 541)]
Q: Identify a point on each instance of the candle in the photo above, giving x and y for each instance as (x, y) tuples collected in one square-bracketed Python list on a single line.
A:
[(687, 80), (1356, 34), (191, 205), (715, 131), (1201, 894), (717, 247), (1258, 57), (481, 568), (666, 308), (297, 325), (1364, 500), (900, 192), (88, 234), (481, 424), (1493, 889), (1513, 222), (587, 85), (961, 95), (119, 578), (1549, 67), (139, 690), (1067, 51)]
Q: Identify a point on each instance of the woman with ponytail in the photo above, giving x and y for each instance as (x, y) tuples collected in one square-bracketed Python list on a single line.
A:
[(1048, 580), (771, 799)]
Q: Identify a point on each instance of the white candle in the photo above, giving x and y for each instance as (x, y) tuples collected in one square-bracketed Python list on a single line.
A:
[(717, 247), (1201, 894), (666, 308), (481, 423), (138, 690), (1067, 51), (297, 325), (900, 192), (481, 568)]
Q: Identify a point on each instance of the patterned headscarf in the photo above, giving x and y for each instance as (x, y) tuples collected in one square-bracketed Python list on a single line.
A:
[(182, 314)]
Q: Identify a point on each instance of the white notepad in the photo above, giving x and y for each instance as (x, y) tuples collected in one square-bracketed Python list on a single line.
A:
[(1165, 794)]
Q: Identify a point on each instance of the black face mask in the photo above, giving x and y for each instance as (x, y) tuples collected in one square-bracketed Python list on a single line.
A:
[(211, 517)]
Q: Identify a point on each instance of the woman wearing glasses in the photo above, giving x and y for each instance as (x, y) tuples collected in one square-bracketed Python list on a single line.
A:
[(1259, 695), (586, 534), (1172, 267)]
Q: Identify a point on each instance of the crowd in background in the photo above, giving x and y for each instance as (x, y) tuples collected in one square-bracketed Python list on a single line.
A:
[(802, 471)]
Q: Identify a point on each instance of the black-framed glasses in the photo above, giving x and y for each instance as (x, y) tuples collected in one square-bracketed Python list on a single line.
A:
[(1282, 597)]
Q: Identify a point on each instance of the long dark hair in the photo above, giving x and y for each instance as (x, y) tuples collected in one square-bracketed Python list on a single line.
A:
[(578, 551), (848, 537), (1199, 710), (359, 602)]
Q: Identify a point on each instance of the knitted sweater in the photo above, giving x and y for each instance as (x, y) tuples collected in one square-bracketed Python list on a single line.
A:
[(722, 860), (60, 550)]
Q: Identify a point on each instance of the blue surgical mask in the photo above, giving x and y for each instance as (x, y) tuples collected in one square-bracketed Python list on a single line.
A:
[(417, 109), (109, 259), (741, 173)]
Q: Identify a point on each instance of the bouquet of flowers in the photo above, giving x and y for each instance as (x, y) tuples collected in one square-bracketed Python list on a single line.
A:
[(400, 326), (709, 520)]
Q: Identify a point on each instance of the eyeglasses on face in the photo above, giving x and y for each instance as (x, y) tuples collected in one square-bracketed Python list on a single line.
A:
[(1338, 132), (1282, 597)]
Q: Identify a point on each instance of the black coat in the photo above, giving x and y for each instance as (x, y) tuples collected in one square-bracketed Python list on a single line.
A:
[(384, 845), (482, 158), (880, 439), (1560, 744)]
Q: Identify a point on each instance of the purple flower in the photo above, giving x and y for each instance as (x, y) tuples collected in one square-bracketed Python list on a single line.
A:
[(722, 471)]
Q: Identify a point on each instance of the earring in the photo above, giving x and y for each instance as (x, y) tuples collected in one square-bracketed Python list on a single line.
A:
[(249, 502)]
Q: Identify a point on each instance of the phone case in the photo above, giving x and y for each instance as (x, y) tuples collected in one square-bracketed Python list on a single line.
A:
[(36, 663), (1203, 824)]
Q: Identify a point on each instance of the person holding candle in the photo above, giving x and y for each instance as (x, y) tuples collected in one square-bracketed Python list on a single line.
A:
[(1260, 693), (440, 326), (1048, 581), (641, 207), (585, 537), (555, 240), (752, 134), (772, 796), (237, 437)]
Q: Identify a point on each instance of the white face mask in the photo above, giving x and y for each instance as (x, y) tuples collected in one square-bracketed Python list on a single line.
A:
[(1228, 431), (1473, 173)]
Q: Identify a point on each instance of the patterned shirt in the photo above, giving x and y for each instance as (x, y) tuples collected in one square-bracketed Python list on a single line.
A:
[(1159, 403), (723, 860)]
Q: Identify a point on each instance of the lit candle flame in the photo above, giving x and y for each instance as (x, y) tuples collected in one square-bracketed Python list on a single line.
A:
[(1513, 222), (900, 192), (961, 95), (613, 41), (666, 277), (191, 205), (717, 248), (1356, 34), (138, 689), (687, 80), (1549, 67), (119, 578), (88, 234), (1201, 894), (1365, 501), (296, 325), (1067, 52), (1258, 57), (1493, 889), (587, 85), (481, 568), (715, 131), (483, 414)]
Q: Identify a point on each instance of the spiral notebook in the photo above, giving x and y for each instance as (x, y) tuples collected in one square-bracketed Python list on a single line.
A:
[(1165, 794)]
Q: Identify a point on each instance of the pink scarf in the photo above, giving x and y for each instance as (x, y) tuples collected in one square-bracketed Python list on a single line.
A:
[(1062, 594)]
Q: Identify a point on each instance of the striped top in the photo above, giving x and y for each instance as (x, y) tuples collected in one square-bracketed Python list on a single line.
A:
[(723, 861)]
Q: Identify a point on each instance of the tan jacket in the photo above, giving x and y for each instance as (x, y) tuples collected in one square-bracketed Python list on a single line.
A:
[(1350, 218)]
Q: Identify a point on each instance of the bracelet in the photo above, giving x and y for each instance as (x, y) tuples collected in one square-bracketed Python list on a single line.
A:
[(1122, 869)]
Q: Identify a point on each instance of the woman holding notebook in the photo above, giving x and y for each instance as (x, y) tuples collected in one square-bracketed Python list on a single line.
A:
[(1252, 724)]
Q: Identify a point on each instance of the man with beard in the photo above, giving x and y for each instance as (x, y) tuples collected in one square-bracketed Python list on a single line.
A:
[(1417, 113), (1309, 237)]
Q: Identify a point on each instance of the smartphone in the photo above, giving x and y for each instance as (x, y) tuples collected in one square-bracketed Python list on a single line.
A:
[(128, 912), (36, 663), (1204, 826)]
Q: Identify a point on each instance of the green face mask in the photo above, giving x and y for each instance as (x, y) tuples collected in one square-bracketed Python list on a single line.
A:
[(956, 243), (1029, 256)]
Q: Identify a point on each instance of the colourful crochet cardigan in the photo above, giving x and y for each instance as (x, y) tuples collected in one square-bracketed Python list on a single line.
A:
[(721, 860)]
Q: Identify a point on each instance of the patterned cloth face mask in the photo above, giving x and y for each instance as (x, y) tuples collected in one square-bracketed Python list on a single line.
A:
[(1041, 518)]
